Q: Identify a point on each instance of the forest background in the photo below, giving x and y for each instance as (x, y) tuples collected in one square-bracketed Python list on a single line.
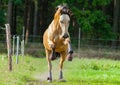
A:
[(98, 19)]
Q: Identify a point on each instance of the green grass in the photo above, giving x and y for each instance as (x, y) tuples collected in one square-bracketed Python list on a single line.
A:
[(21, 72), (93, 71), (78, 72)]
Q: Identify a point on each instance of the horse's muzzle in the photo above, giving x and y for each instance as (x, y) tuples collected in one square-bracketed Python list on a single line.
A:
[(65, 35)]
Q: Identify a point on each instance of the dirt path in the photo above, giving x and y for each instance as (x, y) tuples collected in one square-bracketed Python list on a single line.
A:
[(43, 76)]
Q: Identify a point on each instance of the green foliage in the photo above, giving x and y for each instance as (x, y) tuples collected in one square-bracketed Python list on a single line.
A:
[(89, 14), (91, 17), (17, 2), (20, 24), (2, 17), (101, 2)]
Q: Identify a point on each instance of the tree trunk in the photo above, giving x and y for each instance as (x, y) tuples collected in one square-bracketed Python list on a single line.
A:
[(35, 19), (115, 21), (26, 21), (38, 16), (31, 17), (42, 14), (119, 22), (14, 17), (9, 17)]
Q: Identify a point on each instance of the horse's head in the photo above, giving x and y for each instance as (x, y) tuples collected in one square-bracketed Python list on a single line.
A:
[(62, 16)]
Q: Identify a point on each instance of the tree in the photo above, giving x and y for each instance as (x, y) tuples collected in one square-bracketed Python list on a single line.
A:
[(35, 18), (9, 18), (116, 19), (28, 21), (12, 15), (42, 12), (91, 17)]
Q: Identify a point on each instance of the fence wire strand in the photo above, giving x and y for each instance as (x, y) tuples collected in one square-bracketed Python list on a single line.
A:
[(82, 48)]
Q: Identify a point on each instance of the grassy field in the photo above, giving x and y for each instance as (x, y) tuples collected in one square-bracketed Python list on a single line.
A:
[(78, 72)]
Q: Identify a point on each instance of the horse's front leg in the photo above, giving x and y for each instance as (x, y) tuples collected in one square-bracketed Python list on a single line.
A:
[(62, 59), (48, 53), (52, 46), (70, 50)]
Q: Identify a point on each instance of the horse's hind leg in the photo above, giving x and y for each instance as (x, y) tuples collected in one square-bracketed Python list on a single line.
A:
[(53, 55), (49, 66)]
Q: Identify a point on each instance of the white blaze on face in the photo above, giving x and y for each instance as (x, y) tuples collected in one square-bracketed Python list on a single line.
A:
[(64, 23)]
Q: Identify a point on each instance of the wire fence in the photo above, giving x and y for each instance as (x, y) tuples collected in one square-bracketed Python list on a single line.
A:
[(90, 48)]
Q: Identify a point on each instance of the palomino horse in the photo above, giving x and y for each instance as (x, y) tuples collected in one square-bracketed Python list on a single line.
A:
[(56, 39)]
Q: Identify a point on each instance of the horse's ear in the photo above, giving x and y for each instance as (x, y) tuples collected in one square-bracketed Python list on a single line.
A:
[(58, 7)]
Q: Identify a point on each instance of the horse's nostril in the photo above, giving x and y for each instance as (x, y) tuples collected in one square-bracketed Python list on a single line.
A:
[(65, 35)]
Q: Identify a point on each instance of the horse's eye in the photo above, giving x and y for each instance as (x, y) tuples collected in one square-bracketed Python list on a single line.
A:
[(61, 21)]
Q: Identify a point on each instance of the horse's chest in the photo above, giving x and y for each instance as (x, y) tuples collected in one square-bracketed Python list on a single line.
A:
[(59, 43)]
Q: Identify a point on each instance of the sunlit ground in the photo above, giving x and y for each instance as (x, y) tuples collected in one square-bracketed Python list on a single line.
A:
[(78, 72)]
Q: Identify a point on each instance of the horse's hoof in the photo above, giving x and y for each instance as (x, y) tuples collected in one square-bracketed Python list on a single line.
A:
[(62, 80), (69, 57), (49, 79)]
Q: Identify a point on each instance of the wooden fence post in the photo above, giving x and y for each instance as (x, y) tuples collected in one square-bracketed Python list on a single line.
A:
[(8, 39)]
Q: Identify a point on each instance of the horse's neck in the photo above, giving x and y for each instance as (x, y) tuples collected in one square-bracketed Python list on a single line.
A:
[(56, 28)]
